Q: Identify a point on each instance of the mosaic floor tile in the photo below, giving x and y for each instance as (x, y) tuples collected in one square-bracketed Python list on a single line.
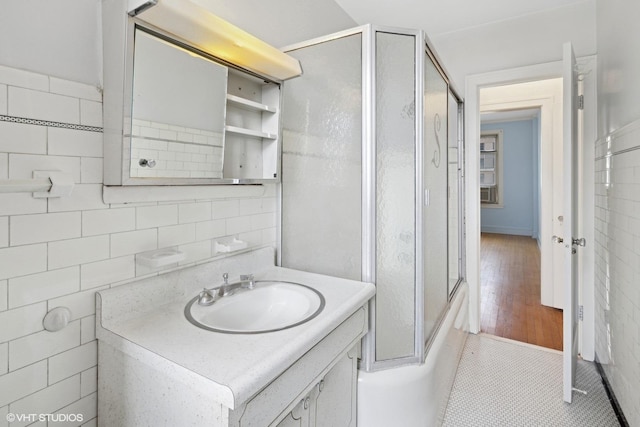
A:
[(505, 383)]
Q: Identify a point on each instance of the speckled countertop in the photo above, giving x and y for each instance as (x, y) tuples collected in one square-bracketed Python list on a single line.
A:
[(146, 320)]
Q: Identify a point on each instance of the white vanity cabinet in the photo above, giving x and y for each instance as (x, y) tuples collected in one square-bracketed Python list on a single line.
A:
[(157, 368), (319, 389)]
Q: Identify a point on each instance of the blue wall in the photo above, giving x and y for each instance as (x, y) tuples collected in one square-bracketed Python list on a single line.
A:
[(520, 212)]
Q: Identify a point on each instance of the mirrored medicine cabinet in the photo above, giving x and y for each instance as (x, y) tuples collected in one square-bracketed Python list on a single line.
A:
[(177, 114)]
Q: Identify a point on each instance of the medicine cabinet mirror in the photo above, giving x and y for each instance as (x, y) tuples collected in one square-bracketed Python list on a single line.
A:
[(177, 110)]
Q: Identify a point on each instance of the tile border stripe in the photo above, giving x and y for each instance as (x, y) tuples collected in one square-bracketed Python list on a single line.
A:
[(23, 120)]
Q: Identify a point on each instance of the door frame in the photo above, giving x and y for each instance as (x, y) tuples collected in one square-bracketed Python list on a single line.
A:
[(473, 84)]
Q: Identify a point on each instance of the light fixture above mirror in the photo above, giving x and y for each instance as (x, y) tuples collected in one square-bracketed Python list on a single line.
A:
[(216, 36)]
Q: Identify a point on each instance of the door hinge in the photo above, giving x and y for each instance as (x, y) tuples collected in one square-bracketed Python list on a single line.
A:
[(580, 312), (580, 102)]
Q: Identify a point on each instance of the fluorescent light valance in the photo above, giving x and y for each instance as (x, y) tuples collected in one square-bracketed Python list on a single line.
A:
[(216, 36)]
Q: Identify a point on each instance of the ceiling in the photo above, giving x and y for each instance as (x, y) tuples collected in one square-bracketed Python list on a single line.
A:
[(509, 115), (443, 16)]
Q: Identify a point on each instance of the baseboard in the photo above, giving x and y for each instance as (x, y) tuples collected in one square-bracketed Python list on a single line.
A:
[(611, 395), (514, 231)]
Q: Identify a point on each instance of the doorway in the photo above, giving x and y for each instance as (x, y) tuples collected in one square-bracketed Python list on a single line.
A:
[(511, 193), (521, 131), (474, 84)]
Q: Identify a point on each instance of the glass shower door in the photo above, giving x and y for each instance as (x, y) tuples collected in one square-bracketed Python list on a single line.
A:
[(321, 207), (456, 209), (435, 222), (395, 83)]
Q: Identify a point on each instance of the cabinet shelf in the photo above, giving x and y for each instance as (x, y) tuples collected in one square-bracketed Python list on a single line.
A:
[(250, 132), (250, 105)]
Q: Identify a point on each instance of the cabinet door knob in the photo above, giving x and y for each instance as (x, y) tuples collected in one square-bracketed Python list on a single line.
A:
[(147, 163)]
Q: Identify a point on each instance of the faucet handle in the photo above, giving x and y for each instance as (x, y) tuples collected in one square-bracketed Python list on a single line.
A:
[(206, 297), (249, 279), (225, 276)]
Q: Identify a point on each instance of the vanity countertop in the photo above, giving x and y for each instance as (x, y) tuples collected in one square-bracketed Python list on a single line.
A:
[(148, 323)]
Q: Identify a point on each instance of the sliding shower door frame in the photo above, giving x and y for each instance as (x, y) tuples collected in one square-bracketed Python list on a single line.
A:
[(369, 360), (368, 185)]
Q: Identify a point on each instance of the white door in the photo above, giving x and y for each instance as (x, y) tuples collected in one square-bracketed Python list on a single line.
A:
[(570, 238)]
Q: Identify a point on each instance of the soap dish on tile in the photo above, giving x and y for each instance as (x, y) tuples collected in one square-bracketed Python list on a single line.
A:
[(161, 257), (230, 245)]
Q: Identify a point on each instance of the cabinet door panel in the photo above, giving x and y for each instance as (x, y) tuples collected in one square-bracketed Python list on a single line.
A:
[(334, 404), (298, 417), (290, 421), (275, 399)]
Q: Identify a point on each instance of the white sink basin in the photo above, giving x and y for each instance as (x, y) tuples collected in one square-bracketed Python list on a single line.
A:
[(270, 306)]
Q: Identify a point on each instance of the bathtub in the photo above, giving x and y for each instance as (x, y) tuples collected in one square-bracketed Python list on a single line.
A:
[(417, 395)]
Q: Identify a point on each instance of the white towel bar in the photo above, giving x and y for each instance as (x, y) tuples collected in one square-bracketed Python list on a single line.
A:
[(25, 185), (44, 184)]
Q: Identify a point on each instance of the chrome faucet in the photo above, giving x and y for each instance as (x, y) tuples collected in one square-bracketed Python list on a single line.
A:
[(209, 296)]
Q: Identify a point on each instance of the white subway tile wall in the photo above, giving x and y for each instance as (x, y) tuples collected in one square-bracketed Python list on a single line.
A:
[(89, 381), (87, 329), (4, 166), (48, 400), (91, 170), (3, 295), (43, 105), (38, 287), (74, 361), (4, 358), (25, 229), (71, 142), (4, 231), (3, 99), (22, 382), (23, 138), (59, 252), (617, 269), (41, 345)]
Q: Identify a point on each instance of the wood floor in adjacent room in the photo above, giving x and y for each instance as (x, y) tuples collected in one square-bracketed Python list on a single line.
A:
[(510, 292)]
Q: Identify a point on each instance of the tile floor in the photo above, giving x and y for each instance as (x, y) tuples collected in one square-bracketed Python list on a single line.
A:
[(505, 383)]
